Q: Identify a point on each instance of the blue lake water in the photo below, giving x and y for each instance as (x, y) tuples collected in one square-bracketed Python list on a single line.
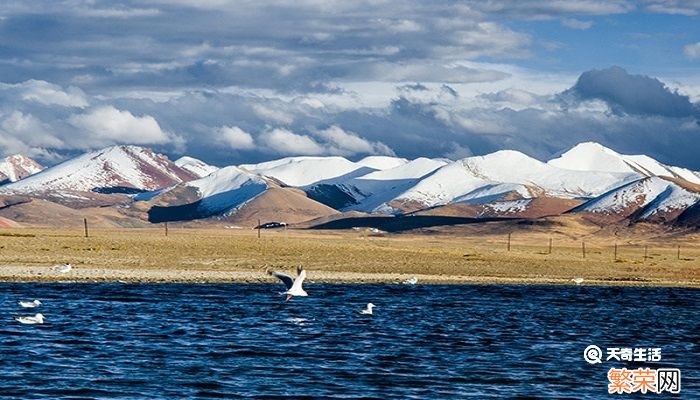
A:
[(424, 341)]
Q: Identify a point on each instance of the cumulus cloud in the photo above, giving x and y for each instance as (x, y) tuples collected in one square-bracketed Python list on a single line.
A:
[(271, 114), (108, 125), (25, 134), (235, 138), (283, 141), (243, 81), (339, 141), (692, 50), (333, 140), (33, 132), (633, 94), (48, 93)]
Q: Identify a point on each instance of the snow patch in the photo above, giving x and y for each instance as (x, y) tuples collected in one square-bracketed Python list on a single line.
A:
[(198, 167)]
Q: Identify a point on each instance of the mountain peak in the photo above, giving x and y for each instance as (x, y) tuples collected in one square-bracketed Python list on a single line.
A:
[(195, 166), (591, 156), (18, 166), (115, 166)]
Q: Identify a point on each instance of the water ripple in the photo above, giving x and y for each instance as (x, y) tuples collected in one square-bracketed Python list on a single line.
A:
[(231, 340)]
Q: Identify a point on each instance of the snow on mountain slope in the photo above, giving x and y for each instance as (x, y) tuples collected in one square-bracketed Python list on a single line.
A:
[(16, 167), (195, 166), (304, 171), (595, 157), (441, 187), (381, 162), (116, 166), (482, 177), (372, 190), (228, 188), (495, 192), (514, 167), (413, 169), (650, 197)]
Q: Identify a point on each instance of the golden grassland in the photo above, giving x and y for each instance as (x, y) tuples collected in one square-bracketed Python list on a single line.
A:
[(456, 255)]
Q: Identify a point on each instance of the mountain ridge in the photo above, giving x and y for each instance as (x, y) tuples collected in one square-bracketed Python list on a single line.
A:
[(588, 179)]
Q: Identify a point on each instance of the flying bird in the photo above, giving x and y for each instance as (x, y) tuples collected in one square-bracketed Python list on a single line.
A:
[(368, 310), (293, 285), (37, 319), (29, 304)]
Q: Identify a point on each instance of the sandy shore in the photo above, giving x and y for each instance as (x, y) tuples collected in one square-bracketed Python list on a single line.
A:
[(10, 273), (27, 255)]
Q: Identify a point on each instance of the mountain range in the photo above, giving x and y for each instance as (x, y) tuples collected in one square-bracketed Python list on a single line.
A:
[(135, 186)]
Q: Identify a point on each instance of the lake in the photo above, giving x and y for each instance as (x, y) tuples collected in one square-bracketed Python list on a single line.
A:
[(111, 340)]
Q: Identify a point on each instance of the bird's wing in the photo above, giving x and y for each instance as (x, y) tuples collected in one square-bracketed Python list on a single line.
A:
[(299, 281), (288, 281)]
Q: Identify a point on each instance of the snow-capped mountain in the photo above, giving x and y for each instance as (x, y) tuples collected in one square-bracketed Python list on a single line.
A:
[(506, 183), (220, 192), (381, 162), (367, 192), (591, 156), (496, 175), (234, 194), (305, 171), (195, 166), (113, 167), (16, 167), (646, 199)]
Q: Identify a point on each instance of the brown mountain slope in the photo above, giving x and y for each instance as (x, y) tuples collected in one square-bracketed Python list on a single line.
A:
[(280, 204), (530, 208), (38, 212)]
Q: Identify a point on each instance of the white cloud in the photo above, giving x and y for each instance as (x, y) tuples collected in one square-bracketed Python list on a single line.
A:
[(235, 138), (677, 7), (341, 142), (426, 72), (537, 9), (692, 51), (401, 25), (576, 24), (106, 125), (484, 39), (513, 98), (118, 12), (271, 114), (283, 141), (31, 130), (22, 133), (49, 94)]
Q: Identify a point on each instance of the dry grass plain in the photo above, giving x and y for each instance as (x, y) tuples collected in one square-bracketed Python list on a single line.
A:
[(469, 254)]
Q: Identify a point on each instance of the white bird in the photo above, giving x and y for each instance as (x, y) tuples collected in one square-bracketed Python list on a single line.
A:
[(411, 281), (37, 319), (62, 268), (293, 285), (29, 304), (368, 310), (577, 281)]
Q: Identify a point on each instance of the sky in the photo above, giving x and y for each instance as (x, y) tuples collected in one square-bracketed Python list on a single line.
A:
[(239, 81)]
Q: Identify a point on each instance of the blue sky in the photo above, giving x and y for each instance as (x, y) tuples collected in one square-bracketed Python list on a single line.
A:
[(243, 81)]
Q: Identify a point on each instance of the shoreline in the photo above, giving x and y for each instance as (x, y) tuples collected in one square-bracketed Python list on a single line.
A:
[(470, 255), (38, 274)]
